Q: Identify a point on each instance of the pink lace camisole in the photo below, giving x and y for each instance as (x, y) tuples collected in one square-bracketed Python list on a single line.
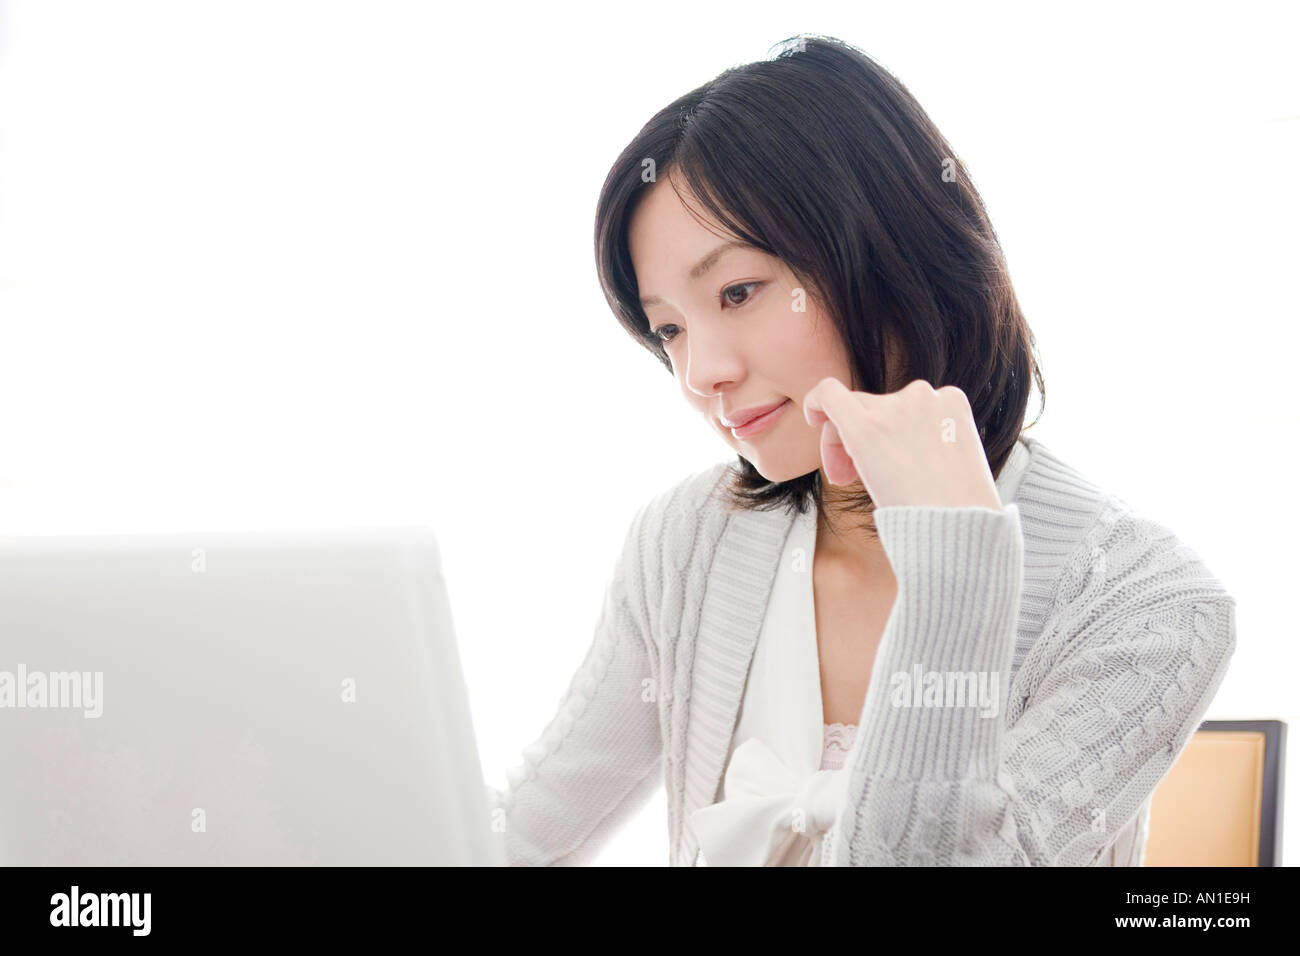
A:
[(837, 740)]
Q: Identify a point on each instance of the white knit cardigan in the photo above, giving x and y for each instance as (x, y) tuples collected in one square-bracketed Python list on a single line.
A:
[(1108, 637)]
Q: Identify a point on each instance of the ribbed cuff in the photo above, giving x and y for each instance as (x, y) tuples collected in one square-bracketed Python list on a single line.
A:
[(937, 699)]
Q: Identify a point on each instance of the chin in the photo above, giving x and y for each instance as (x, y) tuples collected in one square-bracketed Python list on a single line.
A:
[(778, 471)]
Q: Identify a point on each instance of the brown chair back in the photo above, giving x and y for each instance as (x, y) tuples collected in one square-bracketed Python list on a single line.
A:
[(1221, 802)]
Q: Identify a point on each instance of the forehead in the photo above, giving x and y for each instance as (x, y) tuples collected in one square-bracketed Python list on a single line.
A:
[(663, 236)]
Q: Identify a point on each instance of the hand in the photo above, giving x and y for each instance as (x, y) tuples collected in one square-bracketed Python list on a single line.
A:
[(916, 446)]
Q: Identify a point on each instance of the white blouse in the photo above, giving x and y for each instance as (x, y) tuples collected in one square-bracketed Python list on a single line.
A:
[(782, 784)]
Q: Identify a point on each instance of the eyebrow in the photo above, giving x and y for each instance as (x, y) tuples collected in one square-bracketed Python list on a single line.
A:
[(701, 267)]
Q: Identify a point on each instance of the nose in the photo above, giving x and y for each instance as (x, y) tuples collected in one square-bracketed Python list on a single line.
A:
[(713, 362)]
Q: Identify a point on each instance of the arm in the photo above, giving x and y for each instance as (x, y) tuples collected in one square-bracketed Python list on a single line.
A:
[(1141, 636), (599, 759)]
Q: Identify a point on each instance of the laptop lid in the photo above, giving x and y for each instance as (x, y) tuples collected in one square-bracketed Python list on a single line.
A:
[(250, 699)]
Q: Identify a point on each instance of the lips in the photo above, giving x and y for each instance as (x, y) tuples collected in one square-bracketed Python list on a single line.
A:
[(742, 417), (760, 419)]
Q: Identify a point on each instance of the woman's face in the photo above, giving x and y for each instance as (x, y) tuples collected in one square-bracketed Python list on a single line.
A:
[(728, 318)]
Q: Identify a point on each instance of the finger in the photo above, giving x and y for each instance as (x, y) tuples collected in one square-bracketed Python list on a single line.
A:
[(813, 412), (836, 460), (830, 399), (839, 466)]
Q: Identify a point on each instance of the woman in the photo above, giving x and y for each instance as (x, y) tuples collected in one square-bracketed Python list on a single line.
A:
[(895, 630)]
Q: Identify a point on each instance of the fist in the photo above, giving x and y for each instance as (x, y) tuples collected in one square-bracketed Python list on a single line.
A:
[(916, 446)]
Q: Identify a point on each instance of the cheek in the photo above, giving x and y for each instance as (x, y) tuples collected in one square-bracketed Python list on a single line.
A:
[(810, 349)]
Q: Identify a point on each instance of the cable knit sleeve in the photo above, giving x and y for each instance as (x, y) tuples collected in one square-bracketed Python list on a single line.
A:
[(600, 758), (1136, 643)]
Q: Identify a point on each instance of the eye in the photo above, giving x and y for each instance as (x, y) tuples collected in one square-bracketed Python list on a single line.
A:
[(727, 298)]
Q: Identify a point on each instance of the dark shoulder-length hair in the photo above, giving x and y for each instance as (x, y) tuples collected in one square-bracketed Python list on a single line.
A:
[(820, 157)]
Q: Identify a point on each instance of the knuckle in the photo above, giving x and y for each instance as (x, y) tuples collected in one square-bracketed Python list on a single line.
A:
[(870, 415)]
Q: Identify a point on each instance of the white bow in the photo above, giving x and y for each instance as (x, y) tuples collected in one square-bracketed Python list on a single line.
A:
[(770, 815)]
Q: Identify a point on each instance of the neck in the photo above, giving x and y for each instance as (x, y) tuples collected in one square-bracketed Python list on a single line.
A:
[(848, 536)]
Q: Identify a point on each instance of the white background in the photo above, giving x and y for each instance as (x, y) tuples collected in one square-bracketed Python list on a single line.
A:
[(282, 264)]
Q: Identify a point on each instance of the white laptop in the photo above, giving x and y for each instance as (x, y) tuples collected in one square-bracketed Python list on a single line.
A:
[(287, 698)]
